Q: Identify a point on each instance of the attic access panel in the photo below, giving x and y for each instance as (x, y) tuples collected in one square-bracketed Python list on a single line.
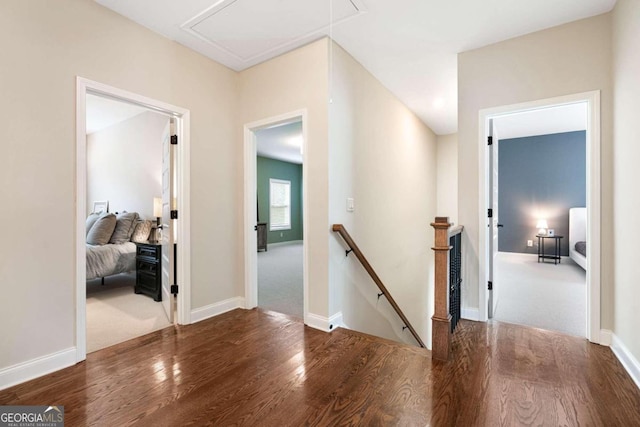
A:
[(247, 29)]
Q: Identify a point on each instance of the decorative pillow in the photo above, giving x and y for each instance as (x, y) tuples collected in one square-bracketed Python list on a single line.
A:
[(125, 224), (102, 230), (142, 231), (91, 219)]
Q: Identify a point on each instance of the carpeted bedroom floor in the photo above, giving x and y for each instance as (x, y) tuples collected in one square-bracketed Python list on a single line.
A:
[(280, 280), (116, 314), (542, 295)]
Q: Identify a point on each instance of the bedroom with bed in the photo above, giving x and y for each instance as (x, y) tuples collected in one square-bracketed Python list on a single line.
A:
[(124, 181), (540, 267)]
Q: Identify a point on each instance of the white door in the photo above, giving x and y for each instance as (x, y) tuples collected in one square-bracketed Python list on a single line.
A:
[(168, 224), (494, 225)]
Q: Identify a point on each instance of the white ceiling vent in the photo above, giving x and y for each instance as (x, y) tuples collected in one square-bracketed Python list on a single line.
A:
[(251, 29)]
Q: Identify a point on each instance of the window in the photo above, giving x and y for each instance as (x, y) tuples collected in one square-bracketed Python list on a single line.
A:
[(279, 204)]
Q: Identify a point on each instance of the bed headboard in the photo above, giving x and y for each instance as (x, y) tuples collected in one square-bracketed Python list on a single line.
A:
[(577, 226)]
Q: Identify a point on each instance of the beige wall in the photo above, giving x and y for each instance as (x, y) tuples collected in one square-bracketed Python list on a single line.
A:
[(626, 72), (44, 46), (124, 164), (447, 192), (571, 58), (384, 157), (294, 81)]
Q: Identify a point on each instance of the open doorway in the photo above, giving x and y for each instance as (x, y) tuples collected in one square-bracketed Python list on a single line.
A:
[(276, 248), (538, 177), (279, 167), (124, 179), (156, 266), (490, 294)]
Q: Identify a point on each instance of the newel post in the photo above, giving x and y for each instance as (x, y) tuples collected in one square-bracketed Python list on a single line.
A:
[(441, 319)]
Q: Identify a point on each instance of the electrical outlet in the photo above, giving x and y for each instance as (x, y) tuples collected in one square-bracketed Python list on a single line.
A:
[(530, 243), (281, 234)]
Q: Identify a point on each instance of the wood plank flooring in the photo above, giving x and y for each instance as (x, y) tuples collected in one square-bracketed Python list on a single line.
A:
[(250, 367)]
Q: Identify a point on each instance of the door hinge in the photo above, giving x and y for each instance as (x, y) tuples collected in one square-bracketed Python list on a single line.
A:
[(490, 140), (490, 213), (174, 214), (490, 285), (174, 289), (174, 139)]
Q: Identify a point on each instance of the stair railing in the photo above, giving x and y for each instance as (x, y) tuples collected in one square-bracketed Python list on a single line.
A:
[(339, 228), (448, 279)]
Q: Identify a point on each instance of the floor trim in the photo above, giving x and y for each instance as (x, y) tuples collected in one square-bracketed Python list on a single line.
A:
[(323, 323), (470, 314), (606, 337), (37, 367), (627, 359), (216, 309)]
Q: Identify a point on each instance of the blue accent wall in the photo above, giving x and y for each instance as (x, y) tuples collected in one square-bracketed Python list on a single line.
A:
[(539, 177), (271, 168)]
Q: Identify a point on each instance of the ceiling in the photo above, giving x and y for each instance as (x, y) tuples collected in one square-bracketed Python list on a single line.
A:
[(282, 142), (104, 112), (543, 121), (410, 46)]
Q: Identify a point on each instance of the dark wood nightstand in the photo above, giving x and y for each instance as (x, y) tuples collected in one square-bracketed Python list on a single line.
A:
[(555, 256), (148, 277)]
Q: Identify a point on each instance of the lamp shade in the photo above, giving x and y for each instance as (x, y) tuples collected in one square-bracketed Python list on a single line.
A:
[(157, 207), (542, 223)]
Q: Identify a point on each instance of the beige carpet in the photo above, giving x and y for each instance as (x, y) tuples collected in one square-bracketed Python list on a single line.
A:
[(280, 279), (542, 295), (115, 314)]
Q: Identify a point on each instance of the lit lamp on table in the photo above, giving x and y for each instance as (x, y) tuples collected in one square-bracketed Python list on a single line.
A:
[(157, 212), (542, 227)]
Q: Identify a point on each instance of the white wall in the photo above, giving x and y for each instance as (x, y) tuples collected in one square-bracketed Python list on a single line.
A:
[(626, 69), (384, 157), (294, 81), (124, 164), (44, 46), (571, 58), (447, 192)]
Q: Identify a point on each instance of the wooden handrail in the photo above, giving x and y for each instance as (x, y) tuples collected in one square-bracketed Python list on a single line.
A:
[(339, 228)]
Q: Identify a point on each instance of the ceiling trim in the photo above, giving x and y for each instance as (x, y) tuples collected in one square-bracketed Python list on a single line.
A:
[(188, 27)]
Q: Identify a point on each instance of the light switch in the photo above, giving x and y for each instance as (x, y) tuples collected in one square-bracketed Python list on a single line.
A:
[(350, 205)]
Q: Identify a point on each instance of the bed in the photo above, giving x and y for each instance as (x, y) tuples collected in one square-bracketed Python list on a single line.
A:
[(578, 236), (109, 259), (111, 242)]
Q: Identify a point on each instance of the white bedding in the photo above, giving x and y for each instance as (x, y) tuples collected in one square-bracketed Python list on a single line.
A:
[(110, 259), (577, 233)]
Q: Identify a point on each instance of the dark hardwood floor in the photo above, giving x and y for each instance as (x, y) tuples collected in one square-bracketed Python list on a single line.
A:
[(260, 368)]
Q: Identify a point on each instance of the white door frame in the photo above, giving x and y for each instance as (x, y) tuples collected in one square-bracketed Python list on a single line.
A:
[(593, 199), (83, 87), (250, 220)]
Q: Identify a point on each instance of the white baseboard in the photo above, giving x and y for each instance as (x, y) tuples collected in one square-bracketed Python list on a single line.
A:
[(38, 367), (323, 323), (470, 314), (606, 337), (627, 359), (216, 309)]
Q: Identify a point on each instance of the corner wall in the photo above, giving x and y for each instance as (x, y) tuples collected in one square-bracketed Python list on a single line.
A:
[(45, 46), (567, 59), (294, 81), (447, 166), (626, 69), (384, 157)]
